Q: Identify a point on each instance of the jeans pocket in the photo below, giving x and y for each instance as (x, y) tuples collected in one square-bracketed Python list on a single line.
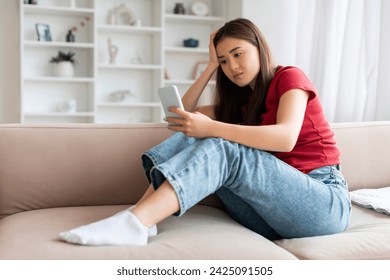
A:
[(329, 175), (339, 177), (321, 173)]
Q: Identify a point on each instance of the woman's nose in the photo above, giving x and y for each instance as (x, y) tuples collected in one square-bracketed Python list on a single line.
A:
[(233, 65)]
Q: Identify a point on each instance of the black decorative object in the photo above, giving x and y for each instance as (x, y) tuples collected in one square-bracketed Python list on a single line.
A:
[(70, 36), (179, 9)]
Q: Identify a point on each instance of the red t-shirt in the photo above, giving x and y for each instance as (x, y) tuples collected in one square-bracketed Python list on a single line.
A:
[(315, 146)]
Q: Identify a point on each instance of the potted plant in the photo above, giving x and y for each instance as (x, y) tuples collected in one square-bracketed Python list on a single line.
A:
[(64, 64)]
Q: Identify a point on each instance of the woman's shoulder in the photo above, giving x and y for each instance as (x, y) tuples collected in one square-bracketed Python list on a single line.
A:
[(288, 71), (291, 77)]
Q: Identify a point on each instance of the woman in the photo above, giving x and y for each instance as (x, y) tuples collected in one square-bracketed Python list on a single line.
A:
[(264, 148)]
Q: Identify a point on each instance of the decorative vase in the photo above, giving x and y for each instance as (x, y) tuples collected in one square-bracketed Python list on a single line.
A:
[(64, 69), (179, 9), (70, 37)]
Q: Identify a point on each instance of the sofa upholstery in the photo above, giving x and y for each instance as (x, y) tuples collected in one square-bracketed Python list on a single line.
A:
[(56, 177)]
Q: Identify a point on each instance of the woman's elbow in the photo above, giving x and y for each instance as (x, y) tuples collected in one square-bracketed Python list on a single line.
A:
[(287, 144)]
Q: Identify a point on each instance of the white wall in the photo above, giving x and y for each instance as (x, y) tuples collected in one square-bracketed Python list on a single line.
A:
[(9, 61), (280, 37)]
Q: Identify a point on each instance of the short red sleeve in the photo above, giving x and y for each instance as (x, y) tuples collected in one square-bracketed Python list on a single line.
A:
[(287, 78)]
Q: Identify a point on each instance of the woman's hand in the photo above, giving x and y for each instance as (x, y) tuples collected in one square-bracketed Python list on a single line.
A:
[(191, 97), (191, 124), (213, 58)]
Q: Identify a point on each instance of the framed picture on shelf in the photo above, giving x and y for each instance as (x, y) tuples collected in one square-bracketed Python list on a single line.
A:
[(199, 68), (43, 32)]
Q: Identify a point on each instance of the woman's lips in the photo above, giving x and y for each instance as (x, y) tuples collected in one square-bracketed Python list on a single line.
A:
[(238, 75)]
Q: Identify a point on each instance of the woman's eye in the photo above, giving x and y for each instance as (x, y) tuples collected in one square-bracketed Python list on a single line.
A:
[(223, 61), (237, 54)]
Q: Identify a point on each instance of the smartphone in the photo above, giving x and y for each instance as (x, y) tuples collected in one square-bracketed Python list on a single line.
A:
[(170, 97)]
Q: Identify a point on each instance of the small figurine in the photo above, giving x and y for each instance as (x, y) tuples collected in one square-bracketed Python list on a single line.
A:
[(113, 51), (119, 96)]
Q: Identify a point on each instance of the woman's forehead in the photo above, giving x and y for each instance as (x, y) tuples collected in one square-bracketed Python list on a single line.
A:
[(230, 44)]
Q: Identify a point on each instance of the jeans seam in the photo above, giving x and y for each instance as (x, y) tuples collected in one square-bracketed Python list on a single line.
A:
[(148, 156), (175, 184), (152, 158), (176, 187)]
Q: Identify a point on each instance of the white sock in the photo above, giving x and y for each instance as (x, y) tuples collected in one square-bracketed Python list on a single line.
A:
[(152, 230), (121, 229)]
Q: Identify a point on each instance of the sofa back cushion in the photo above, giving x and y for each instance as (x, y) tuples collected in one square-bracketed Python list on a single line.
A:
[(73, 165), (76, 165), (365, 153)]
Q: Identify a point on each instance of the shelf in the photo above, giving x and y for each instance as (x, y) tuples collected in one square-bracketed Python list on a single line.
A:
[(130, 66), (59, 79), (129, 105), (58, 44), (53, 10), (185, 82), (192, 18), (128, 29), (187, 50), (60, 115)]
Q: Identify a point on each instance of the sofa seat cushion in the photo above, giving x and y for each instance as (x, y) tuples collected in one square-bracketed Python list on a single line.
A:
[(204, 232), (366, 238)]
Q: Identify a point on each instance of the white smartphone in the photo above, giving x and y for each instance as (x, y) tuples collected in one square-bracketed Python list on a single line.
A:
[(170, 97)]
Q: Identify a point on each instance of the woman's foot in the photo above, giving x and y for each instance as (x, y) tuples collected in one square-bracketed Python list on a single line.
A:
[(123, 228), (152, 230)]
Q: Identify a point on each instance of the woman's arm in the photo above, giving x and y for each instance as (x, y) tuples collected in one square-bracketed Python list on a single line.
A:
[(207, 110), (280, 137), (191, 97)]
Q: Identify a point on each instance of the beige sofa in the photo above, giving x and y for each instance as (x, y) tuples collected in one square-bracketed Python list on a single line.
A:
[(53, 178)]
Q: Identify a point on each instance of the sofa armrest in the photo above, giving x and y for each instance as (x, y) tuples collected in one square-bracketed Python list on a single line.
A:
[(365, 153)]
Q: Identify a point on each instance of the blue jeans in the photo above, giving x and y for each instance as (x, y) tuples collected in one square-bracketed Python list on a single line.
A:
[(259, 191)]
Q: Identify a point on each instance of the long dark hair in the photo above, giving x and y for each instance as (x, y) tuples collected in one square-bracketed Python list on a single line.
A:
[(230, 99)]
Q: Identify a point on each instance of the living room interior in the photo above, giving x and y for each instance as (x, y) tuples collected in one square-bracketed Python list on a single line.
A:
[(341, 47), (106, 110)]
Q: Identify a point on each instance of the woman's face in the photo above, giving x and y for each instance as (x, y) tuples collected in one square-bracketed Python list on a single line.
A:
[(239, 60)]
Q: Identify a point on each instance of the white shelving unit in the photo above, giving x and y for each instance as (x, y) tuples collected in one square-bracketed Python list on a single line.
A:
[(149, 39), (183, 26), (138, 68), (43, 93)]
